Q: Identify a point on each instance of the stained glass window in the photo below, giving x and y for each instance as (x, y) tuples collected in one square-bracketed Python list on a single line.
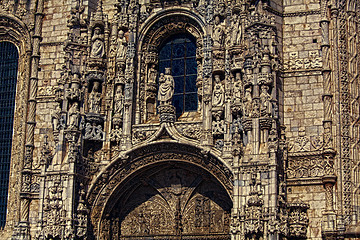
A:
[(179, 53), (8, 77)]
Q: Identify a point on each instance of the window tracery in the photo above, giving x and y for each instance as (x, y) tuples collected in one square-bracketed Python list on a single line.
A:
[(158, 38), (179, 54)]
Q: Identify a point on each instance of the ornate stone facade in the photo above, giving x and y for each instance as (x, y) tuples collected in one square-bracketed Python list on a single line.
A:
[(269, 150)]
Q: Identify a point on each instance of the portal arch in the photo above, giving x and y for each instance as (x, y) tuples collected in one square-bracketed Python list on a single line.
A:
[(120, 182)]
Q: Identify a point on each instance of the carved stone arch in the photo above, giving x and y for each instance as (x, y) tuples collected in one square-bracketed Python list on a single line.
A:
[(15, 31), (105, 192), (154, 32)]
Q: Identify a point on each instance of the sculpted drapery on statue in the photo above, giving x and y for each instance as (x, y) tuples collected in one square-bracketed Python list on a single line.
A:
[(218, 33), (119, 101), (95, 99), (166, 87), (122, 46), (265, 101), (98, 46), (218, 93)]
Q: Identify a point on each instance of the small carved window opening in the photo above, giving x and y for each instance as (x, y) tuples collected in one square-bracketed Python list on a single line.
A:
[(179, 53), (8, 77)]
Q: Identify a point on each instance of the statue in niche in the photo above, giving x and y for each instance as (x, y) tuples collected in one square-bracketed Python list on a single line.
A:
[(218, 93), (98, 46), (237, 91), (265, 99), (236, 31), (122, 46), (166, 87), (218, 34), (247, 103), (119, 101), (152, 74), (94, 99), (56, 118), (74, 115)]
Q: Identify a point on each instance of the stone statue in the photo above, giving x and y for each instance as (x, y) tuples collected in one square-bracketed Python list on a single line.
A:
[(237, 91), (122, 46), (218, 34), (152, 74), (97, 47), (236, 31), (265, 100), (74, 115), (247, 103), (166, 87), (218, 93), (119, 102), (94, 99)]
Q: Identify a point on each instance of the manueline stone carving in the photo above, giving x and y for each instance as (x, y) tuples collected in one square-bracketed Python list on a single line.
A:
[(218, 33), (119, 102), (218, 93), (266, 106), (95, 99), (122, 46), (98, 46), (74, 115), (166, 87)]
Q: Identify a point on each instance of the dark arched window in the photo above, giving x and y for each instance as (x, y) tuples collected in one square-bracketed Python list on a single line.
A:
[(8, 76), (179, 53)]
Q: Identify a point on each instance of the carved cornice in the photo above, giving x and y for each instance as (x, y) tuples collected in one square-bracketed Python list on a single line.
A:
[(302, 13)]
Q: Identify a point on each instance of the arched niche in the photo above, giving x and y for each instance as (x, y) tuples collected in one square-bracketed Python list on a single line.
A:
[(154, 33), (16, 32), (118, 182)]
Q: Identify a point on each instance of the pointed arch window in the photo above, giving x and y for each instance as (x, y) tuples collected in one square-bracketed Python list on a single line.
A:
[(179, 53), (8, 78)]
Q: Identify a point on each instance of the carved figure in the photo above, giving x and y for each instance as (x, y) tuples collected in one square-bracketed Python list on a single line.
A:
[(119, 102), (236, 31), (237, 92), (265, 100), (166, 87), (152, 74), (122, 46), (56, 118), (97, 47), (218, 34), (218, 93), (73, 115), (248, 103), (94, 99)]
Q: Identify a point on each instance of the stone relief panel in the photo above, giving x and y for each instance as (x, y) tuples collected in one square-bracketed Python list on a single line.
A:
[(313, 61)]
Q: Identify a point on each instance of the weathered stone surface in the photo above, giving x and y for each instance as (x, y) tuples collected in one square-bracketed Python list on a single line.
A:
[(270, 148)]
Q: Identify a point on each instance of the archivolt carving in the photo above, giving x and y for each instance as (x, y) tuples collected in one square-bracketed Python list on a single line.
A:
[(170, 199), (120, 170)]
